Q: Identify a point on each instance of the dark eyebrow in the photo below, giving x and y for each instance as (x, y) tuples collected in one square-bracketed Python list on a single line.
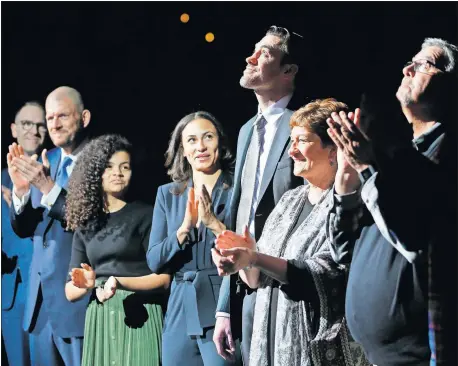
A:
[(35, 123), (269, 47)]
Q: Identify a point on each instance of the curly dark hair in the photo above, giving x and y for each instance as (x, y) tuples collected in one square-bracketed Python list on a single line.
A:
[(85, 206), (178, 166)]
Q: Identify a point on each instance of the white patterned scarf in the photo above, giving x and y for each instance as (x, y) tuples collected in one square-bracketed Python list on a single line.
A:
[(295, 343)]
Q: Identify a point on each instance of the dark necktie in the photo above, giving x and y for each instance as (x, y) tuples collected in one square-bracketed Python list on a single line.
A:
[(251, 176)]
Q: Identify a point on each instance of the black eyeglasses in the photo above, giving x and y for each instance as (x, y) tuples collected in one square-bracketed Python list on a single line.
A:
[(27, 126), (422, 66)]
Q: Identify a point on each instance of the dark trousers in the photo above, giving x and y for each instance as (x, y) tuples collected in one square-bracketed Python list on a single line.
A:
[(249, 302)]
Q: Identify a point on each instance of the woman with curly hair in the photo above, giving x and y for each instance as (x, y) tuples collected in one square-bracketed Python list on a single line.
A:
[(188, 214), (124, 316)]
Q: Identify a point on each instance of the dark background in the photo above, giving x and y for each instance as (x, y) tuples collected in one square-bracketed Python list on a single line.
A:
[(139, 69)]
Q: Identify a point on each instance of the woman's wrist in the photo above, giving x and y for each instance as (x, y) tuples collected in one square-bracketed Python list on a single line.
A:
[(253, 260), (216, 226)]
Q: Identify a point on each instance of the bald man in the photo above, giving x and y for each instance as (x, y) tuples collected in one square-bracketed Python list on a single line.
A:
[(29, 130), (56, 326)]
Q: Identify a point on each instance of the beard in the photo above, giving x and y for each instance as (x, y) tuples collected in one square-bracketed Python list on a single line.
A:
[(404, 95), (248, 81)]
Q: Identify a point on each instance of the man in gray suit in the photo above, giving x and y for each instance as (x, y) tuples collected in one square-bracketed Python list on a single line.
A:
[(263, 172)]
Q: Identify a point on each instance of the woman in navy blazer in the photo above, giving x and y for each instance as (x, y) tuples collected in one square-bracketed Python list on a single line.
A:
[(188, 214)]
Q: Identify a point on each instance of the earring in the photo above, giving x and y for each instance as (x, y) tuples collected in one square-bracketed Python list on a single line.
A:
[(331, 163)]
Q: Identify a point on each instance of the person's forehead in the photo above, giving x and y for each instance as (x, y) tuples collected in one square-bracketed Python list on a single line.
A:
[(299, 130), (53, 105), (198, 125), (268, 40), (123, 156), (432, 54), (31, 113)]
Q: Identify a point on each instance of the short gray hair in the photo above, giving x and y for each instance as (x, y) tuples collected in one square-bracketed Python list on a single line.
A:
[(32, 103), (450, 51)]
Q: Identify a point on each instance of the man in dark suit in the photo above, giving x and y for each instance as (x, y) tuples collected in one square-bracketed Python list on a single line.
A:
[(263, 171), (29, 129), (56, 326)]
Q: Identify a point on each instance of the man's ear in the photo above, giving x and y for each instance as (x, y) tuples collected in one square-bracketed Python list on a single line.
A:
[(86, 117), (290, 69), (13, 130)]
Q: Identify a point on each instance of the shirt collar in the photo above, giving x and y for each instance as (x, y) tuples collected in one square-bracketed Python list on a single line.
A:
[(272, 113), (63, 155), (423, 141)]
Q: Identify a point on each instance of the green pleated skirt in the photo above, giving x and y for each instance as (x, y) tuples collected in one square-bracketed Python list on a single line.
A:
[(126, 330)]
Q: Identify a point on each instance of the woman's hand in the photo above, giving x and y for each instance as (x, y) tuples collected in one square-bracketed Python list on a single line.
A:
[(228, 239), (206, 215), (237, 259), (190, 217), (108, 290), (83, 277), (192, 213)]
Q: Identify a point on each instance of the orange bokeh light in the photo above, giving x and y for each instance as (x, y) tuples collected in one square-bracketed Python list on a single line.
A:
[(184, 18), (209, 37)]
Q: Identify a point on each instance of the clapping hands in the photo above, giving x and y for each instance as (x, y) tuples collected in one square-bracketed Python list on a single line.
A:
[(108, 290), (233, 252)]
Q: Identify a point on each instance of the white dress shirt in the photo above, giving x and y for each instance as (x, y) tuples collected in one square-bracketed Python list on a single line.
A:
[(47, 200), (272, 115)]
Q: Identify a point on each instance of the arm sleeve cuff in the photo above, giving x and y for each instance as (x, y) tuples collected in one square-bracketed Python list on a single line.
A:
[(348, 201), (47, 200), (221, 314), (19, 203)]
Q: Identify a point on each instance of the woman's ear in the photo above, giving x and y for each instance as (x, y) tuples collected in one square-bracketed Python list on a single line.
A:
[(333, 155)]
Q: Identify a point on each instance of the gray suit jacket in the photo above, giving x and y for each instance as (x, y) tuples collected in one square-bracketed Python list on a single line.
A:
[(278, 178)]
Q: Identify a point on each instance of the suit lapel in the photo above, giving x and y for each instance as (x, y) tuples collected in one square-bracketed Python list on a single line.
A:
[(54, 160), (278, 145), (242, 148)]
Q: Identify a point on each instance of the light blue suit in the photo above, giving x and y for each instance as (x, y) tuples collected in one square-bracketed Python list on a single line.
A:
[(56, 325), (16, 259)]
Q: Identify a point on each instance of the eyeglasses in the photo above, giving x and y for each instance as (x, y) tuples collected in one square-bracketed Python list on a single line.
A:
[(27, 126), (282, 31), (422, 66)]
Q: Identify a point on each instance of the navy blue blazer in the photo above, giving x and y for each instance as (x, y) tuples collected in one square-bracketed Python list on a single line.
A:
[(16, 258), (278, 178), (52, 247), (190, 263)]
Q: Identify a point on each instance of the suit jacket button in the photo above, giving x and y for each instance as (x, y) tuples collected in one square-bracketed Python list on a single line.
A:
[(45, 244)]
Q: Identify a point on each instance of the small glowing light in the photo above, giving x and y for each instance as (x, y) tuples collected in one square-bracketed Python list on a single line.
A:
[(209, 37), (184, 18)]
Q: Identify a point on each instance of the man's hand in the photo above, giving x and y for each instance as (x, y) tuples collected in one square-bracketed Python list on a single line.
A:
[(21, 185), (222, 337), (349, 138), (7, 195), (34, 172)]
